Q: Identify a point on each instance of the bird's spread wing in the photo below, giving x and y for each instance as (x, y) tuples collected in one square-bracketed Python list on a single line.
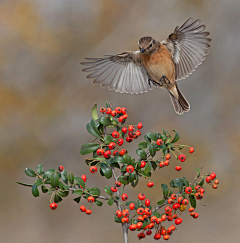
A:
[(189, 46), (123, 72)]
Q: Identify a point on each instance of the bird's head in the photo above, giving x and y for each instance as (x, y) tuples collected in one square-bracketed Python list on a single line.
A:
[(147, 45)]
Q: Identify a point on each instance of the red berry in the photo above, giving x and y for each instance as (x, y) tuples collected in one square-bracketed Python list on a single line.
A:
[(108, 110), (176, 206), (139, 125), (141, 196), (118, 213), (178, 221), (125, 220), (115, 153), (157, 236), (91, 199), (88, 211), (148, 211), (129, 140), (124, 130), (122, 152), (107, 154), (124, 196), (213, 175), (60, 168), (121, 119), (114, 189), (138, 133), (132, 227), (202, 190), (166, 237), (141, 236), (84, 178), (82, 208), (191, 209), (100, 152), (168, 156), (174, 196), (142, 165), (166, 163), (197, 188), (161, 164), (185, 202), (140, 211), (125, 116), (216, 181), (130, 169), (125, 213), (124, 110), (195, 215), (118, 183), (118, 110), (102, 110), (148, 232), (150, 184), (170, 218), (178, 168), (191, 150), (188, 190), (147, 202), (131, 128), (115, 134), (208, 179), (120, 142), (180, 199), (113, 113), (170, 201), (53, 206), (111, 145), (168, 210), (93, 169), (215, 186), (182, 157), (139, 225), (159, 142), (131, 206)]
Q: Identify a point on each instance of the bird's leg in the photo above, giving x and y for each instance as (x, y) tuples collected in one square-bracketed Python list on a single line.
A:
[(163, 79), (153, 82)]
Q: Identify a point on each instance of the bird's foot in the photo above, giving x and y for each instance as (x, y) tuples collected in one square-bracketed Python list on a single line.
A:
[(153, 82), (165, 80)]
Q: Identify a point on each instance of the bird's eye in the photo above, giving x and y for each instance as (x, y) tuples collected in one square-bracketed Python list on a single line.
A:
[(150, 45)]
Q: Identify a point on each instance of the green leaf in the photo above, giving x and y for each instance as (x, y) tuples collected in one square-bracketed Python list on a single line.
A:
[(161, 202), (63, 194), (147, 139), (77, 199), (98, 203), (176, 137), (54, 179), (152, 136), (107, 189), (48, 173), (141, 153), (105, 121), (92, 129), (192, 201), (175, 182), (154, 165), (108, 105), (64, 176), (95, 191), (127, 158), (57, 198), (30, 172), (131, 177), (147, 167), (201, 182), (78, 192), (185, 181), (136, 180), (145, 223), (169, 137), (117, 220), (38, 182), (170, 192), (71, 177), (124, 180), (88, 148), (35, 191), (152, 149), (157, 214), (164, 137), (110, 201), (165, 190), (94, 112), (180, 186), (44, 189), (119, 159), (24, 184), (108, 139), (79, 181), (40, 169), (106, 170), (198, 171), (142, 145)]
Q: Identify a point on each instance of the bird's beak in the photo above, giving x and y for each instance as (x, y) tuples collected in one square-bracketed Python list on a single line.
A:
[(143, 50)]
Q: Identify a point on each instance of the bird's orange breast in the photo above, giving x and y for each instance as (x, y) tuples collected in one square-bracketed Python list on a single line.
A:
[(160, 64)]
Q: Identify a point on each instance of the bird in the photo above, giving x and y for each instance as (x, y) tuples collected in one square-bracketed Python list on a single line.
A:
[(156, 63)]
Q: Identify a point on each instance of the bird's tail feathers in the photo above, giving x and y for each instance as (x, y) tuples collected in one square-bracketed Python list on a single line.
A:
[(180, 105)]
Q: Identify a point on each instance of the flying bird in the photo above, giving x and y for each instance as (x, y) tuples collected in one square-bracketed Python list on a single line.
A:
[(154, 64)]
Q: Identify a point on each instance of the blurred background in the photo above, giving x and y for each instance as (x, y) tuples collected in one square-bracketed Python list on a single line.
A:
[(46, 101)]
